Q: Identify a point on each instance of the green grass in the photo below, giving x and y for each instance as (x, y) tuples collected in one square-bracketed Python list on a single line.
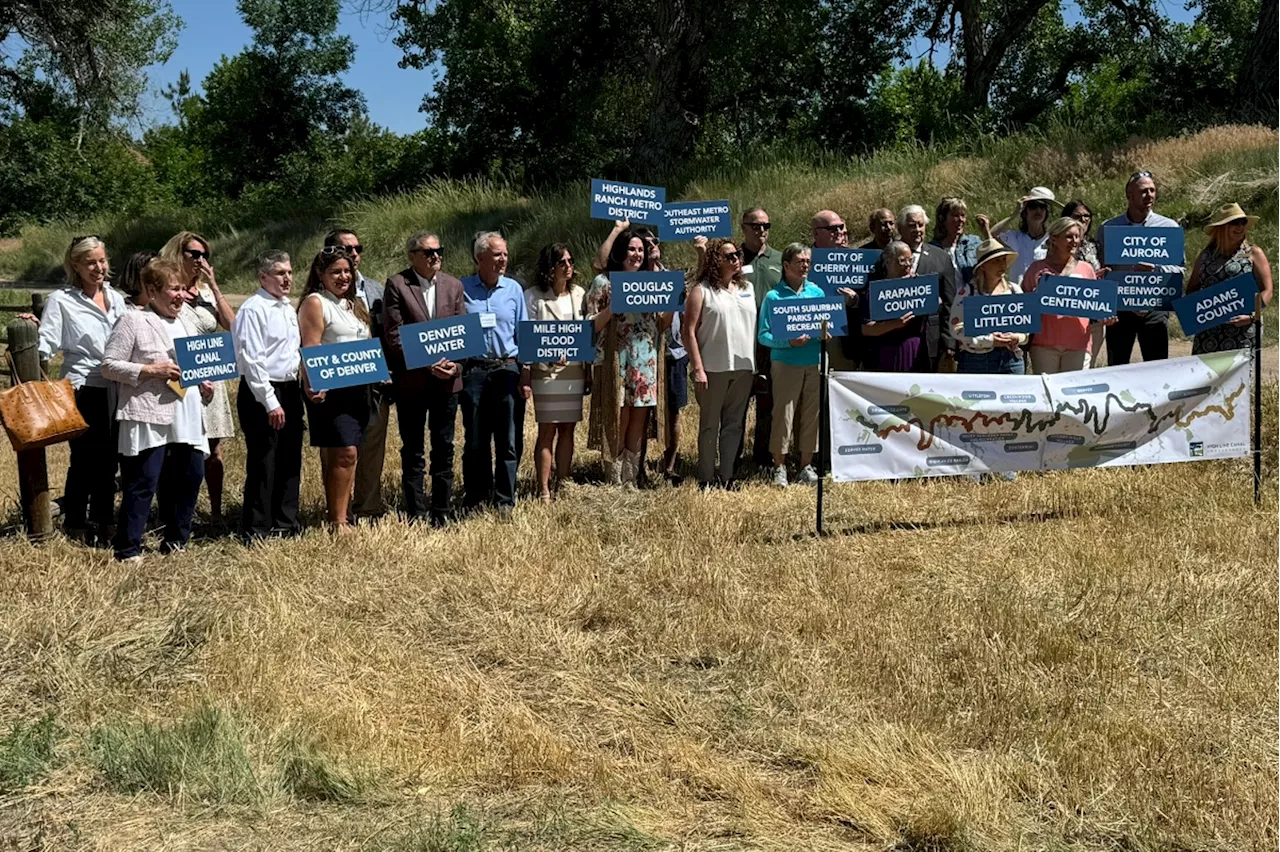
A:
[(27, 752)]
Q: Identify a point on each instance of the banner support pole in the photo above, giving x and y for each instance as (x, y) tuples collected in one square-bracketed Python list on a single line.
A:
[(824, 438), (1257, 401)]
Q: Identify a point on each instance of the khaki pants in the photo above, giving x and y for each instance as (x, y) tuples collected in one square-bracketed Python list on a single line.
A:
[(367, 500), (722, 411), (795, 391), (1055, 359)]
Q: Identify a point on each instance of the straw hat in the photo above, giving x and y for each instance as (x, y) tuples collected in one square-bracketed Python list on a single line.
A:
[(1228, 213), (990, 250), (1040, 193)]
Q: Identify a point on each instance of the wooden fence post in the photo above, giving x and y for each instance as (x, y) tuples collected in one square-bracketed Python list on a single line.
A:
[(33, 471)]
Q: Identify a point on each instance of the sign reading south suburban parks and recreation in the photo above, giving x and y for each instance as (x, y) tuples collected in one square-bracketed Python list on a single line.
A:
[(689, 219), (790, 319), (645, 292), (1216, 305), (553, 341), (894, 298), (1146, 291), (1064, 296), (833, 268), (342, 365), (206, 358), (640, 204), (1014, 313), (450, 338), (1126, 245)]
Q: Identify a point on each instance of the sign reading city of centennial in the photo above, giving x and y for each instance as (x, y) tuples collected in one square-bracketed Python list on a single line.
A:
[(894, 298), (451, 338), (613, 199), (793, 318), (833, 268), (1125, 245), (1065, 296), (645, 292), (1146, 291), (690, 219), (343, 365), (1014, 313), (1216, 305), (206, 358), (552, 341)]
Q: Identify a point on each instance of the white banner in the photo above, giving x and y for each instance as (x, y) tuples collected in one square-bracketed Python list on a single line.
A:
[(898, 425)]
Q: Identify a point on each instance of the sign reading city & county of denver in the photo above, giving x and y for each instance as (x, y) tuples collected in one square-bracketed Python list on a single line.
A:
[(894, 298), (206, 358), (645, 292), (613, 199), (343, 365), (451, 338)]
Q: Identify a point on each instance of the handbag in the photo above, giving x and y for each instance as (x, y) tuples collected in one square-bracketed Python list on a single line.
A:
[(37, 414)]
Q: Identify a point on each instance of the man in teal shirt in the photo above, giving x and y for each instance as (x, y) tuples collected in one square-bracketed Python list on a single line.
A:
[(762, 266)]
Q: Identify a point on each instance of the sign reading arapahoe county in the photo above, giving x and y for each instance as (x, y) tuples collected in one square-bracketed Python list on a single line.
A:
[(833, 268), (1125, 245), (894, 298), (896, 425), (792, 318), (1216, 305), (690, 219), (1146, 291), (1014, 313), (552, 341), (1076, 297), (613, 199), (206, 358), (451, 338), (645, 292), (343, 365)]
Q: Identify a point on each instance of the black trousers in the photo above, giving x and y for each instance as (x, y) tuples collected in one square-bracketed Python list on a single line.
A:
[(1151, 333), (437, 411), (90, 490), (273, 462), (493, 417), (179, 468)]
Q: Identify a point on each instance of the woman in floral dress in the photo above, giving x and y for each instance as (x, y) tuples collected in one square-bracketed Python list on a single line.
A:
[(1229, 254)]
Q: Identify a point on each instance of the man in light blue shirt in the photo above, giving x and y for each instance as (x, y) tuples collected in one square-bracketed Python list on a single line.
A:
[(493, 389)]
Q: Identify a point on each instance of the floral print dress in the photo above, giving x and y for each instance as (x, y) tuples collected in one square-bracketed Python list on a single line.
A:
[(636, 346), (1214, 269)]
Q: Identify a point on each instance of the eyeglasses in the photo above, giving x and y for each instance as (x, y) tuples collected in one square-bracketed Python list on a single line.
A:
[(1139, 176), (1082, 217), (834, 229), (731, 256), (429, 252), (759, 226), (75, 240), (565, 261), (196, 254)]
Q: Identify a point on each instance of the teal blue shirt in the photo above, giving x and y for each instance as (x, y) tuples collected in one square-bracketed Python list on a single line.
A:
[(781, 350)]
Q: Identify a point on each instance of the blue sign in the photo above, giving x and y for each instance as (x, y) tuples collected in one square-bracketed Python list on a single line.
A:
[(343, 365), (206, 358), (1216, 305), (1146, 291), (1015, 313), (834, 268), (792, 318), (690, 219), (552, 341), (1125, 245), (451, 338), (645, 292), (613, 199), (1064, 296), (894, 298)]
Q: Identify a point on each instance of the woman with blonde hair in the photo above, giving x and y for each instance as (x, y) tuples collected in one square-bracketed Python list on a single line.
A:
[(999, 352), (1064, 343), (1229, 254)]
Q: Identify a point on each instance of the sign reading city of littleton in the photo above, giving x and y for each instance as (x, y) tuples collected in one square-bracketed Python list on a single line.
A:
[(640, 204), (1012, 313), (1216, 305), (1146, 291), (1126, 245), (1065, 296), (793, 318), (342, 365), (552, 341), (894, 298), (645, 292), (451, 338), (833, 268), (689, 219), (206, 358)]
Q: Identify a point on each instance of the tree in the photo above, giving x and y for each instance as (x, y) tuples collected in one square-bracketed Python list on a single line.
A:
[(1256, 86)]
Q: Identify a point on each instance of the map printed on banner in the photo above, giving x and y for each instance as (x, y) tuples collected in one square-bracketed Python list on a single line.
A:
[(614, 199), (833, 268), (689, 219), (897, 425)]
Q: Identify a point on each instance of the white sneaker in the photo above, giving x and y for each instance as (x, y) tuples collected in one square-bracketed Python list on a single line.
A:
[(780, 476), (808, 475)]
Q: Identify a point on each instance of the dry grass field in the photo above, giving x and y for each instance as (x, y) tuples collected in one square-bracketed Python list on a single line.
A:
[(1083, 660)]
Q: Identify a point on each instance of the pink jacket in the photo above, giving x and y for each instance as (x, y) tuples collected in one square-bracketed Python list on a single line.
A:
[(140, 338)]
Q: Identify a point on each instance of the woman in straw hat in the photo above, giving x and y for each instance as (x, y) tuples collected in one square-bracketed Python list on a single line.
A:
[(1229, 254), (988, 353), (1029, 240)]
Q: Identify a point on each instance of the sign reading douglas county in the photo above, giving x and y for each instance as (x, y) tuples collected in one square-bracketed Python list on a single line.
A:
[(1146, 291), (1126, 245), (645, 292), (1216, 305), (1064, 296), (793, 318), (1015, 313), (894, 298), (689, 219), (206, 358), (343, 365), (641, 205), (834, 268), (451, 338), (552, 341)]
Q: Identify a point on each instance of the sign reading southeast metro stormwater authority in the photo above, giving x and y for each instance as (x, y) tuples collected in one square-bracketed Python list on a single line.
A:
[(793, 318), (206, 358), (1064, 296), (343, 365), (552, 341), (1216, 305), (894, 298), (1125, 245), (451, 338), (614, 199), (833, 268), (1146, 291), (689, 219), (1014, 313), (645, 292)]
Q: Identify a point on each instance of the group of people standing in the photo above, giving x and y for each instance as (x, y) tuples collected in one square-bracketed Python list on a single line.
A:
[(118, 348)]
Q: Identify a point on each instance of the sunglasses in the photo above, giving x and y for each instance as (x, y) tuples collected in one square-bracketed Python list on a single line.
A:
[(1082, 217), (341, 251), (759, 226), (429, 252), (565, 261), (1139, 176), (731, 256), (75, 240), (196, 254), (835, 229)]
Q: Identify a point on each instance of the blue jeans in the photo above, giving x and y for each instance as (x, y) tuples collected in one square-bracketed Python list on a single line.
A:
[(493, 420), (181, 466), (1000, 361)]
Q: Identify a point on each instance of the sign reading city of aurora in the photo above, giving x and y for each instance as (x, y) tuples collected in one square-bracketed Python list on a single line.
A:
[(1146, 291), (613, 199), (551, 341), (792, 318), (645, 292), (1065, 296), (451, 338), (833, 268), (896, 425), (206, 358), (1015, 313), (894, 298), (1125, 245), (343, 365), (690, 219), (1216, 305)]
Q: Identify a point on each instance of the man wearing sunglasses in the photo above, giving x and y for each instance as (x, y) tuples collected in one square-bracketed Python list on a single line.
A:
[(762, 266)]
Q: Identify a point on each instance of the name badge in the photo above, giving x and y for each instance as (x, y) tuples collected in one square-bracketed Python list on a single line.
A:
[(488, 319), (748, 269)]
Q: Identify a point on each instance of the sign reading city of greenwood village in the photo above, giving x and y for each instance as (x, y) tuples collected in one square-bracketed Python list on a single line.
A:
[(1012, 313), (894, 298), (793, 318), (451, 338), (1127, 245), (342, 365), (834, 268), (1213, 306), (552, 341), (206, 358), (1146, 291), (645, 292), (640, 204)]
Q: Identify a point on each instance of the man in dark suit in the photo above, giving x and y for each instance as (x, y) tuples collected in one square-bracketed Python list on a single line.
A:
[(427, 397)]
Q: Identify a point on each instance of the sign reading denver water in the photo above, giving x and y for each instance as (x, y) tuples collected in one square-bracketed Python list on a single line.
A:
[(1015, 313), (645, 292), (1146, 291), (894, 298), (613, 199), (792, 318), (1126, 245), (1064, 296), (451, 338), (552, 341), (834, 268), (344, 365), (206, 358), (1216, 305), (690, 219)]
